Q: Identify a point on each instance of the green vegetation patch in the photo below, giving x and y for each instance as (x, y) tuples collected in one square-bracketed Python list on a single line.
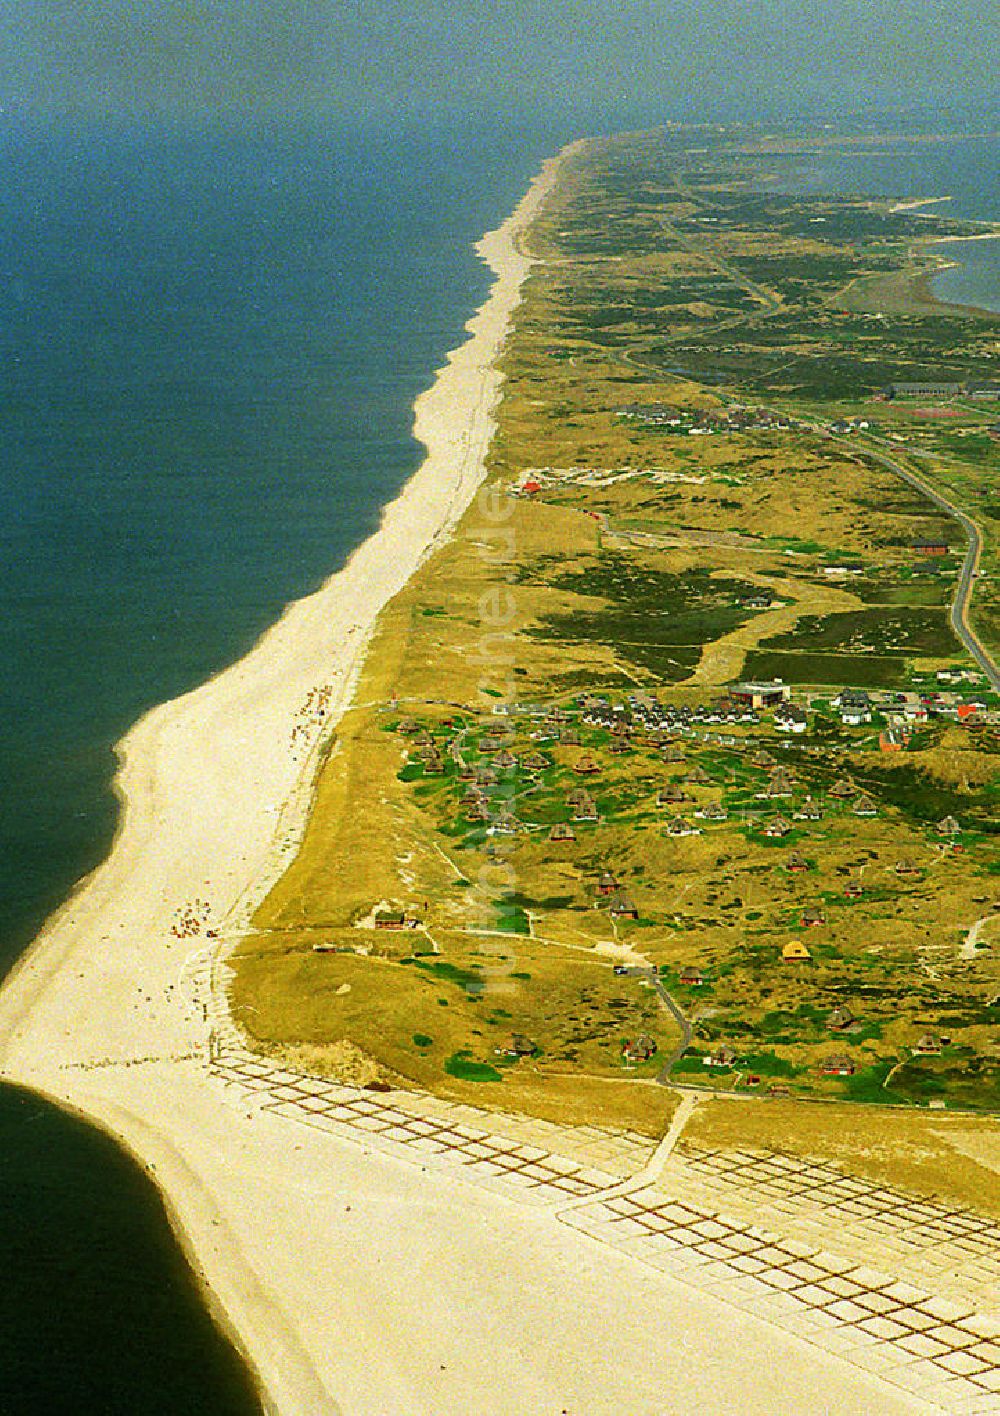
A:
[(462, 1066), (864, 671), (656, 619), (922, 630)]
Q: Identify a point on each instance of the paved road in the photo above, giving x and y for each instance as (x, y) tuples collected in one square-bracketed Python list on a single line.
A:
[(687, 1032), (963, 591)]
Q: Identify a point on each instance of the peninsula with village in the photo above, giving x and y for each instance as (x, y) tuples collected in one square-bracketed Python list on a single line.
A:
[(595, 887)]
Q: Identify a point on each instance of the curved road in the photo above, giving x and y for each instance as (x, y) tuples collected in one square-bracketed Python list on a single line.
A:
[(963, 591)]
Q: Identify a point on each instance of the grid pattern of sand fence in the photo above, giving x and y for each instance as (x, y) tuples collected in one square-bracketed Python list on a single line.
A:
[(945, 1353), (946, 1246), (396, 1123), (688, 1223)]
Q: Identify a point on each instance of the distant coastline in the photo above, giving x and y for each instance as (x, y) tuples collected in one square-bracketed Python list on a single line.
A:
[(951, 176), (961, 265)]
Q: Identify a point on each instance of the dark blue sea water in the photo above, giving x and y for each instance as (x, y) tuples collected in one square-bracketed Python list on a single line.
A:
[(964, 169), (209, 348)]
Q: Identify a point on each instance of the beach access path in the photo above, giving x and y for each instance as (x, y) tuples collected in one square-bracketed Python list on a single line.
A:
[(353, 1280)]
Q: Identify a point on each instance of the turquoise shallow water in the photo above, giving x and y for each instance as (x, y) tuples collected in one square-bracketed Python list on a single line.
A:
[(209, 348)]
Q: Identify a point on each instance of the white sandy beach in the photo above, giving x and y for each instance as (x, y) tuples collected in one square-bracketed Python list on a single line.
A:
[(355, 1281)]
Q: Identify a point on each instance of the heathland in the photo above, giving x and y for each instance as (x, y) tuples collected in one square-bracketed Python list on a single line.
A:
[(677, 766)]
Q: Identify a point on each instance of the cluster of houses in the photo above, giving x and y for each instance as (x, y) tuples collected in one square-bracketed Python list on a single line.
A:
[(841, 1019), (610, 892), (701, 422), (854, 706), (645, 712), (857, 707), (851, 425), (835, 1064)]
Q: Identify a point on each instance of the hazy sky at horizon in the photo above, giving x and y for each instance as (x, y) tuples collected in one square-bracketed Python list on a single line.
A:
[(535, 57)]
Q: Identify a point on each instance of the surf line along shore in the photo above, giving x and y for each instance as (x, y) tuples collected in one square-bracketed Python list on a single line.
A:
[(100, 1013)]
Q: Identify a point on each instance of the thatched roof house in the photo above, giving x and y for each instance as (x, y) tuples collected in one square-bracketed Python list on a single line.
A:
[(517, 1046), (840, 1019), (622, 906), (392, 919), (585, 809), (639, 1049)]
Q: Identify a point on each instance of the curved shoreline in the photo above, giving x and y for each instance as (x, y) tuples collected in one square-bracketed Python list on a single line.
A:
[(957, 263), (105, 1013)]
